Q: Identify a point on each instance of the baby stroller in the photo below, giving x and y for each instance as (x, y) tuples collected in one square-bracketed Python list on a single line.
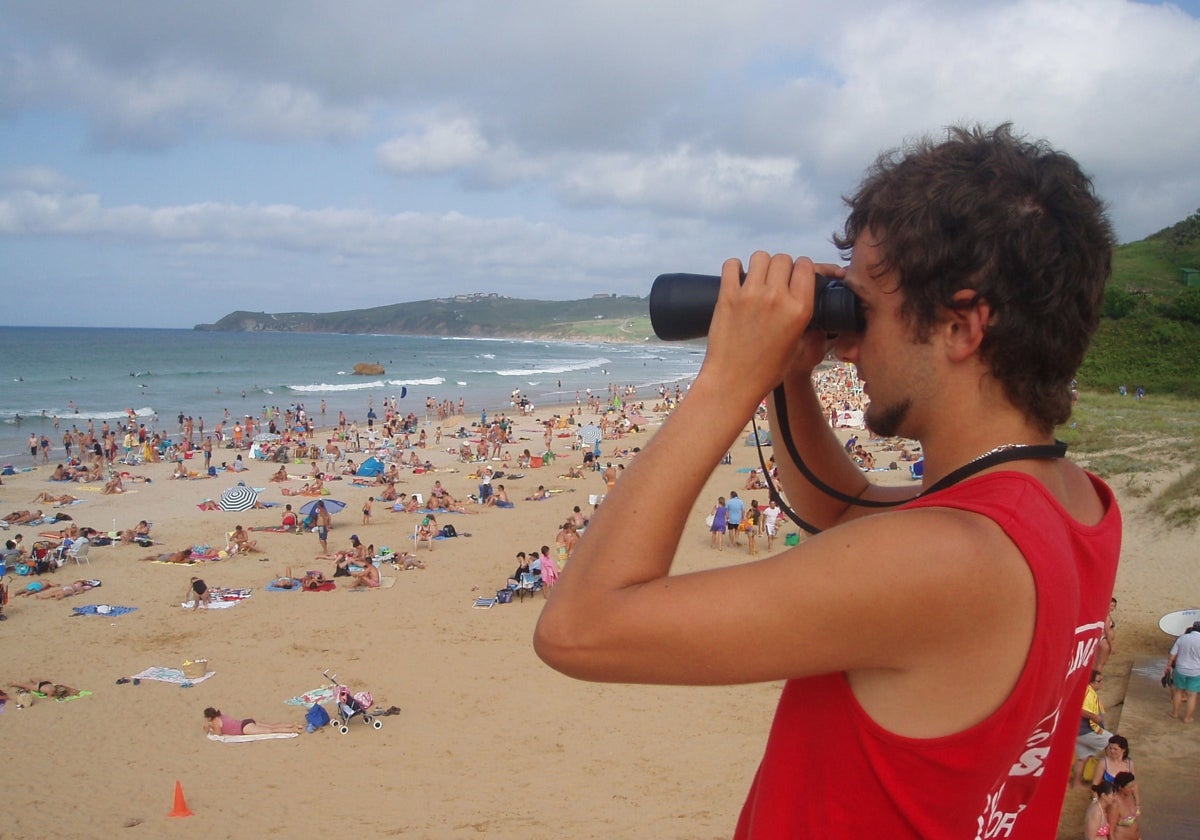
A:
[(351, 705)]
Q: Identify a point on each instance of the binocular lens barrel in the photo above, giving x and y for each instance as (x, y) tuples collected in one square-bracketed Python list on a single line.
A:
[(681, 306)]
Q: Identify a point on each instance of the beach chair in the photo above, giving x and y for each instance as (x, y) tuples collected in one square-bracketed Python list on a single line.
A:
[(527, 584), (79, 552)]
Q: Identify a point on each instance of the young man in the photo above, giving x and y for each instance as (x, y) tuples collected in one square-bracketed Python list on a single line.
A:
[(936, 654)]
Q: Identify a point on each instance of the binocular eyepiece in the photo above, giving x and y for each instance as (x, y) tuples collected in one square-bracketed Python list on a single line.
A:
[(681, 306)]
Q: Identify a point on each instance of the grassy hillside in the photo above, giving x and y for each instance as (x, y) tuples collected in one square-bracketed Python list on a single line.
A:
[(1150, 334), (605, 317)]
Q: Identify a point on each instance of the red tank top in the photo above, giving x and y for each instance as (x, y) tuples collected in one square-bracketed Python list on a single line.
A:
[(830, 771)]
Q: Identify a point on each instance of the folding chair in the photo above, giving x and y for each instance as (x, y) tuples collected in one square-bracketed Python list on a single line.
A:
[(527, 584), (79, 552)]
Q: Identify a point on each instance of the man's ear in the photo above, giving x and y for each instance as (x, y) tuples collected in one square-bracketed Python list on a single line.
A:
[(967, 320)]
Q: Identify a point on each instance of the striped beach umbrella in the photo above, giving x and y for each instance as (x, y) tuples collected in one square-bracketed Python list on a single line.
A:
[(590, 434), (238, 497)]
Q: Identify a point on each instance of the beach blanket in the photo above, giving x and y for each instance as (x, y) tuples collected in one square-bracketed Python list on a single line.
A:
[(272, 587), (324, 694), (384, 583), (66, 699), (327, 586), (273, 529), (237, 739), (93, 609), (170, 675)]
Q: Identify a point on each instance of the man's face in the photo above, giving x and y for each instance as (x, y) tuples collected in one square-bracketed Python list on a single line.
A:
[(895, 369)]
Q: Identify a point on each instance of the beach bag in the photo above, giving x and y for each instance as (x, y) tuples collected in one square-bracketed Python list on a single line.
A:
[(504, 596), (791, 539), (195, 668), (316, 717), (364, 700), (448, 531)]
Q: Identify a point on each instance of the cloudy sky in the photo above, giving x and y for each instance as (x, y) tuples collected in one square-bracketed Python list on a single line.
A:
[(162, 164)]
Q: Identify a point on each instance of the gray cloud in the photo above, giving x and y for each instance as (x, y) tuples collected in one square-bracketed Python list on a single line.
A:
[(528, 142)]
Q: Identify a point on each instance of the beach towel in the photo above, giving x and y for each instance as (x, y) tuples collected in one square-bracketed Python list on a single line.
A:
[(273, 529), (170, 675), (324, 694), (66, 699), (272, 587), (226, 594), (327, 586), (94, 609), (384, 583), (237, 739)]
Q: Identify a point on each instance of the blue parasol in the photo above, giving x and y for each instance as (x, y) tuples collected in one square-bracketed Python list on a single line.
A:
[(331, 505)]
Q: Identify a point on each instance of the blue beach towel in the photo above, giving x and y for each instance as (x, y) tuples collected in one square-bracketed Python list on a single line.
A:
[(94, 609)]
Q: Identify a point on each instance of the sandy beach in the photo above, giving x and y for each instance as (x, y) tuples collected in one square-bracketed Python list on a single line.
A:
[(488, 740)]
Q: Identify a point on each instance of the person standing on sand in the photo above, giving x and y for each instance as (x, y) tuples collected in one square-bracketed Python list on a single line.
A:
[(1183, 666), (322, 522), (956, 248)]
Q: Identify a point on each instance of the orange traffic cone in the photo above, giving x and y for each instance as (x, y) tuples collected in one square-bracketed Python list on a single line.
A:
[(181, 809)]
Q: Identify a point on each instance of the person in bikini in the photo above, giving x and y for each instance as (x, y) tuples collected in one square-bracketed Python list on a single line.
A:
[(216, 723), (50, 689)]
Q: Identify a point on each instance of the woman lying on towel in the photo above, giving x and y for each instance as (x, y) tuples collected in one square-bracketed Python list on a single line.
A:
[(216, 723), (48, 688), (59, 592)]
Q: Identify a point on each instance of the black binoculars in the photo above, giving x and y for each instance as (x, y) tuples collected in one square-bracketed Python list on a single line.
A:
[(681, 306)]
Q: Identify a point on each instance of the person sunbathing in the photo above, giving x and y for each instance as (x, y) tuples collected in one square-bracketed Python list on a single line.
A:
[(356, 555), (51, 689), (67, 590), (209, 504), (216, 723), (138, 533), (539, 495), (368, 578), (50, 498), (408, 561), (279, 474), (184, 555), (22, 517), (426, 531), (240, 542), (498, 498), (113, 485)]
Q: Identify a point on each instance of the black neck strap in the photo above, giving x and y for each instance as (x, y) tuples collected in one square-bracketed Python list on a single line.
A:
[(1000, 455)]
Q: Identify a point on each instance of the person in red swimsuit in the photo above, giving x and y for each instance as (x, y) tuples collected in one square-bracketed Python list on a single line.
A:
[(935, 653)]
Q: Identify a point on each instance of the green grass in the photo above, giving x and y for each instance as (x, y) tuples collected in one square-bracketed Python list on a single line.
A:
[(1125, 441)]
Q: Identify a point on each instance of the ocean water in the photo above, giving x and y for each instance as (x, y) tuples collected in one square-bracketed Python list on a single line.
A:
[(78, 374)]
